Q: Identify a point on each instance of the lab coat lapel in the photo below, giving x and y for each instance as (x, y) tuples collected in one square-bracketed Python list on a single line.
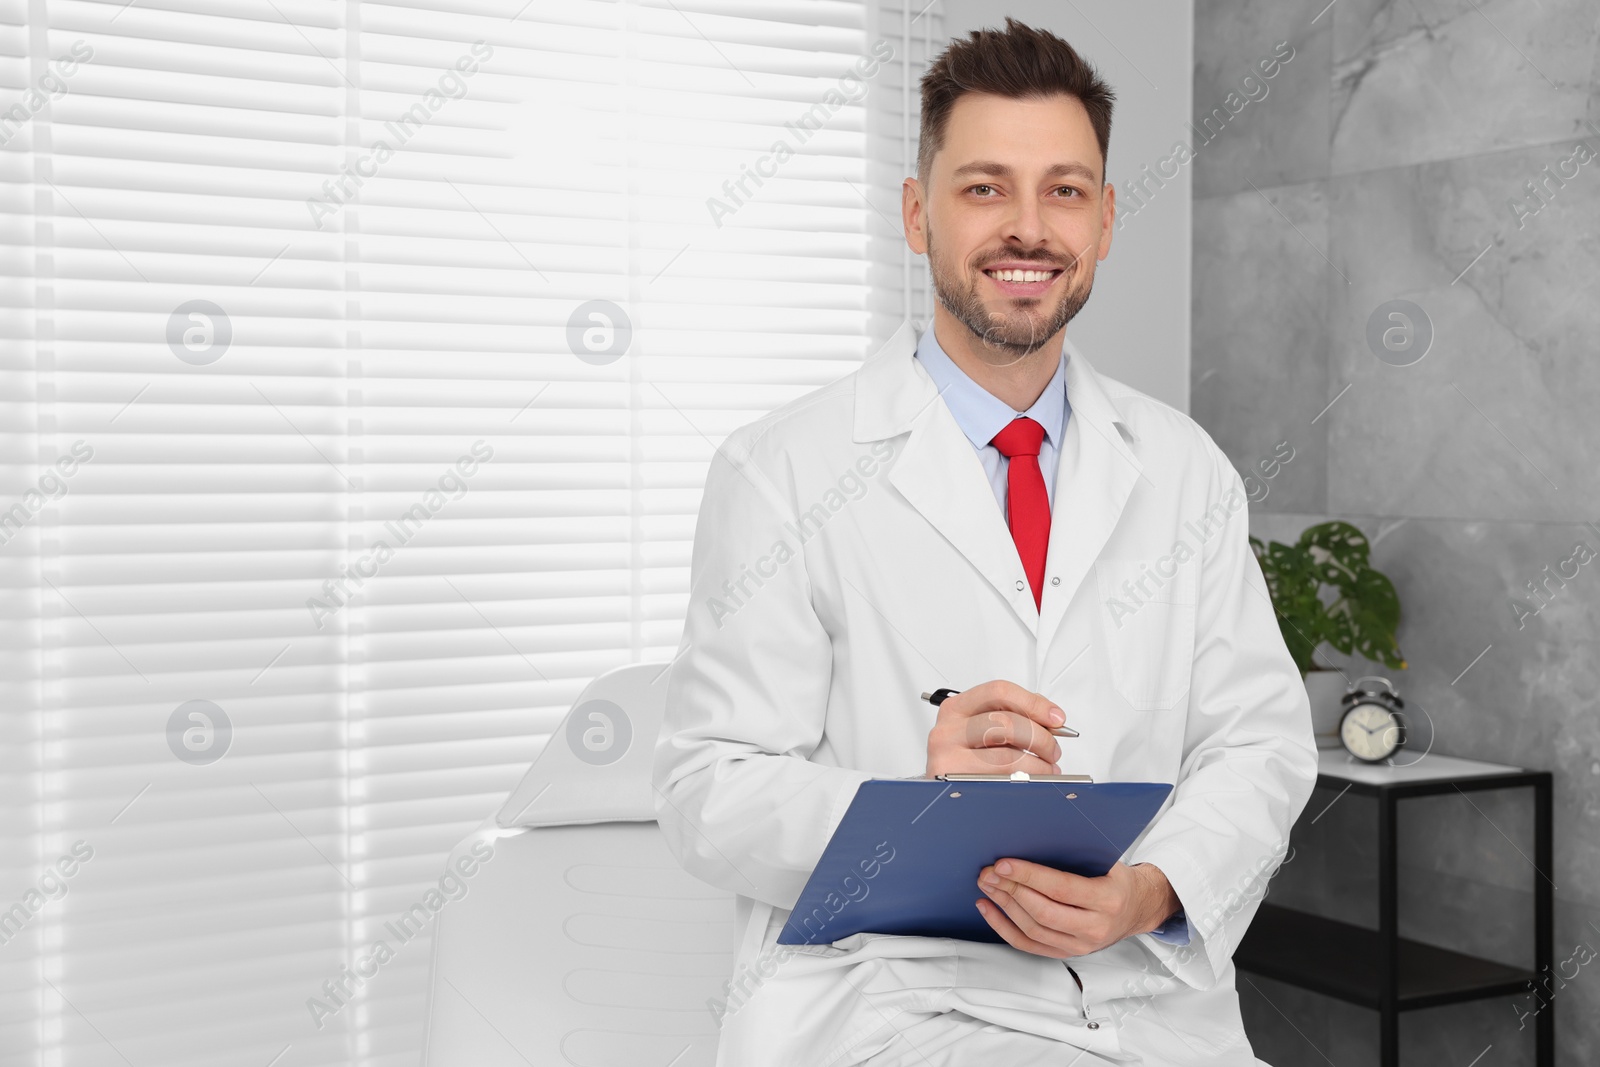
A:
[(937, 470), (1096, 474)]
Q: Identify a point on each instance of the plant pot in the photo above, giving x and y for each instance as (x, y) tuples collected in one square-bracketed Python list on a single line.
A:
[(1325, 689)]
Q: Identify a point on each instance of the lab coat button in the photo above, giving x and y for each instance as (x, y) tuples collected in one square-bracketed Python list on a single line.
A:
[(1055, 581), (1019, 587), (1094, 1026)]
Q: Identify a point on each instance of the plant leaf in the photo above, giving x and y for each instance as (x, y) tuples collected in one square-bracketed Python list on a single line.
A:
[(1341, 550), (1362, 615), (1292, 581)]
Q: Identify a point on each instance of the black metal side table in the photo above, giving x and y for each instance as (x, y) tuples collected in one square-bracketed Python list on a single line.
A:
[(1379, 969)]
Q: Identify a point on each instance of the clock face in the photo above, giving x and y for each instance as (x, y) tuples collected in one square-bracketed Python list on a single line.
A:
[(1370, 731)]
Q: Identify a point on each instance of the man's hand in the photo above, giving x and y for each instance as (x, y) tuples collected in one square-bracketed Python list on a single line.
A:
[(1058, 914), (995, 728)]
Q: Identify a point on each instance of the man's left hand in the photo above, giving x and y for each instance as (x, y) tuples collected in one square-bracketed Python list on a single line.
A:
[(1059, 914)]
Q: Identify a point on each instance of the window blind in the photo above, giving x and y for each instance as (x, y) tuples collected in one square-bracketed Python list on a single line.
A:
[(362, 365)]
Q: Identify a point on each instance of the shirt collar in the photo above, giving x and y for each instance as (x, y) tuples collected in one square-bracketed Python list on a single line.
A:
[(980, 413)]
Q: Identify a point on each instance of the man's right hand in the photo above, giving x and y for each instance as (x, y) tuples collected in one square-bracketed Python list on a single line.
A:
[(995, 728)]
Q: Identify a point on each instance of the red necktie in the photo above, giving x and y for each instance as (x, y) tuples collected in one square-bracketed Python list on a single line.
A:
[(1027, 504)]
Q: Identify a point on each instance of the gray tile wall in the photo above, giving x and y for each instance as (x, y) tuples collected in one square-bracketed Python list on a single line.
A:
[(1391, 158)]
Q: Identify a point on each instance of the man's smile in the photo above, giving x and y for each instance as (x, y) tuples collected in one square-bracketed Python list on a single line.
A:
[(1021, 279)]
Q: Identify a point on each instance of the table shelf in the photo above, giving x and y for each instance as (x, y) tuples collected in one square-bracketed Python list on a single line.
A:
[(1340, 959), (1379, 969)]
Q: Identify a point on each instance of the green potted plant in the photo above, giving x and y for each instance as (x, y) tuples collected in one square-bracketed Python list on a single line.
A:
[(1324, 590)]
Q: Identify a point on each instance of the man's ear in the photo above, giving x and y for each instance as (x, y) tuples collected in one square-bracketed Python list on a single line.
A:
[(914, 215), (1108, 219)]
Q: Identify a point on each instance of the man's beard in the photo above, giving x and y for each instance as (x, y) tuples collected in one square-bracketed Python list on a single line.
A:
[(1018, 332)]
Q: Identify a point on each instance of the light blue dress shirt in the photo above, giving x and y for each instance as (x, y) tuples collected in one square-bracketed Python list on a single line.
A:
[(981, 415)]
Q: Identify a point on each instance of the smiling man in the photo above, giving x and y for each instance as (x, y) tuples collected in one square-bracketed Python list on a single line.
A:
[(1054, 544)]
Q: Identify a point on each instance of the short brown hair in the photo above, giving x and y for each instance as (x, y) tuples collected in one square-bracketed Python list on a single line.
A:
[(1017, 62)]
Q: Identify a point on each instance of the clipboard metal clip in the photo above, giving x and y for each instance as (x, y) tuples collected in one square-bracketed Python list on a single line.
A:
[(1015, 776)]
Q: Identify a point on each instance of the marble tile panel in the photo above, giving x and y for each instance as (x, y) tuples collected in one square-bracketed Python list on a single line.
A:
[(1260, 338), (1494, 417), (1420, 80), (1250, 128)]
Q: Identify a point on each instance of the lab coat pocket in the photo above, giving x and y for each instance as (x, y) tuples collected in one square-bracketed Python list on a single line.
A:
[(1147, 620)]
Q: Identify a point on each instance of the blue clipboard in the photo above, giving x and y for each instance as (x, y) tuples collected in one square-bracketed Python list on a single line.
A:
[(905, 858)]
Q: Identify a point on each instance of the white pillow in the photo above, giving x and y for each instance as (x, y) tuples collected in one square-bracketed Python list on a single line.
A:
[(596, 766)]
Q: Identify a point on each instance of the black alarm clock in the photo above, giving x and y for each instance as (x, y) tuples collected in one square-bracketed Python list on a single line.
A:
[(1372, 727)]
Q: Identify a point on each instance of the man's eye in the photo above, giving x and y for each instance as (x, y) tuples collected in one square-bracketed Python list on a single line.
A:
[(975, 188), (1067, 188)]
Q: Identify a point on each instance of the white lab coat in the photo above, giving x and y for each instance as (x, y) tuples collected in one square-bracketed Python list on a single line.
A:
[(849, 556)]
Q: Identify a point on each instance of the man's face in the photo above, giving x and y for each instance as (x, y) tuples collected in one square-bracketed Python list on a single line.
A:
[(1017, 184)]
